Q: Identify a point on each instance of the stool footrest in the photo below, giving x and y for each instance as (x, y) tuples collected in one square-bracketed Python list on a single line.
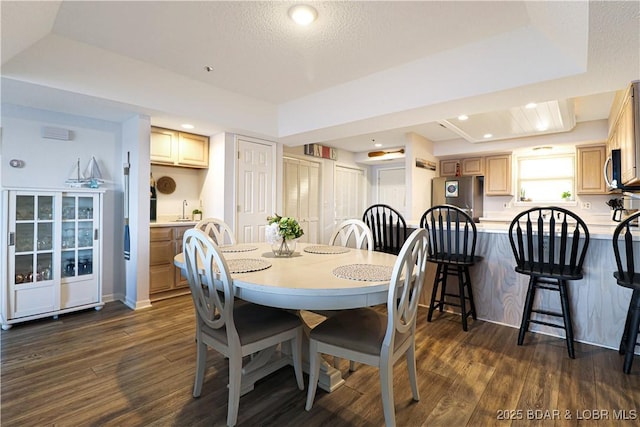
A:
[(553, 325), (547, 312)]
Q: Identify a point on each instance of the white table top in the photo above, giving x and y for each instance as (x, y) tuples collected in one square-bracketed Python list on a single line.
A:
[(306, 280)]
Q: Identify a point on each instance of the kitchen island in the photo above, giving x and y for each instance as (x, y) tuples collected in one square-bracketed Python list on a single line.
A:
[(598, 304)]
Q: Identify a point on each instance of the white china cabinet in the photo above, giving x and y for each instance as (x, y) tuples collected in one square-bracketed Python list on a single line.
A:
[(53, 253)]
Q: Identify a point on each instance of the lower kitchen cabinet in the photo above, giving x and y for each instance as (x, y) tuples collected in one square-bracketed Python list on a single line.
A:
[(165, 280), (53, 253)]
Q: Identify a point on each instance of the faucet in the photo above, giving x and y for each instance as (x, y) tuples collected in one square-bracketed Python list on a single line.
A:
[(184, 204)]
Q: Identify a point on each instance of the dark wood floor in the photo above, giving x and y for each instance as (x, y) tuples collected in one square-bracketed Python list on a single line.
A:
[(117, 367)]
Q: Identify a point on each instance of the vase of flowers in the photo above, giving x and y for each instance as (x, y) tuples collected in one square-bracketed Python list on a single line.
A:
[(282, 233)]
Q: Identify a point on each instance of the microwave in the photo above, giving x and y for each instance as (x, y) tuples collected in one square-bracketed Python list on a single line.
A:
[(613, 171)]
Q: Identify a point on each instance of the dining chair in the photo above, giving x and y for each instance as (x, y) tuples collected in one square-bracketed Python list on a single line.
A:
[(627, 276), (388, 226), (218, 230), (233, 330), (549, 245), (352, 233), (452, 246), (376, 338)]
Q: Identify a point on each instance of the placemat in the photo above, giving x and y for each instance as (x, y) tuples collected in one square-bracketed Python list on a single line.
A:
[(238, 248), (326, 249), (364, 272), (246, 265)]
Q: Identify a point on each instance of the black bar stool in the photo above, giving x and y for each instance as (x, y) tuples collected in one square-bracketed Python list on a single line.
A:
[(388, 227), (629, 278), (549, 245), (452, 246)]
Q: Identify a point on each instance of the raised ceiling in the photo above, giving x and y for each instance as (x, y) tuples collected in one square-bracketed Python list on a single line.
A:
[(362, 71)]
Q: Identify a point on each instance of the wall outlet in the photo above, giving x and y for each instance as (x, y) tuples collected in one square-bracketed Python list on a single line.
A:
[(506, 205), (586, 205)]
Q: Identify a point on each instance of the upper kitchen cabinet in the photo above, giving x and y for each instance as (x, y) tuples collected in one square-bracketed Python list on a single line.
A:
[(626, 133), (590, 160), (497, 180), (169, 147), (465, 167)]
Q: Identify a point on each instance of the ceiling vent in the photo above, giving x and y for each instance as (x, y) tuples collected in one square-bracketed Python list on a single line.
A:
[(539, 119)]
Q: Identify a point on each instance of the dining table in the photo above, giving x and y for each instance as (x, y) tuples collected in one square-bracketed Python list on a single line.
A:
[(314, 278)]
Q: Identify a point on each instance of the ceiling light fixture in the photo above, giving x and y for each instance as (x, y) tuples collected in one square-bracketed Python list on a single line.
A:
[(303, 14), (187, 126), (531, 105), (463, 117), (488, 135)]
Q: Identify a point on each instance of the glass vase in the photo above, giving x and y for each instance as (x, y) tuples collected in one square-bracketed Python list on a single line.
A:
[(284, 247)]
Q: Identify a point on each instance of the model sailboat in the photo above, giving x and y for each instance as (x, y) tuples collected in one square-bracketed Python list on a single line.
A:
[(91, 178)]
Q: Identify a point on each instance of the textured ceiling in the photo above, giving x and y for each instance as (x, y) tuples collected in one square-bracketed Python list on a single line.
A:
[(362, 71)]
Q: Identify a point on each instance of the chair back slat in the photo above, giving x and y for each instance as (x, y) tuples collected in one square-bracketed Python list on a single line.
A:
[(388, 226), (623, 249), (352, 233), (555, 245), (451, 233)]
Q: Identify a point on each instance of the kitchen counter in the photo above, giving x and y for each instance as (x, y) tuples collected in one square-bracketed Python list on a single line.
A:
[(172, 223)]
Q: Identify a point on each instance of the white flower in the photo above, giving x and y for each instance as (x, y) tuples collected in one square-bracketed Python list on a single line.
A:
[(272, 233)]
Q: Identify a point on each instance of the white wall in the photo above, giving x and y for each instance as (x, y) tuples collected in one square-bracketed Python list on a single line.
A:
[(48, 163)]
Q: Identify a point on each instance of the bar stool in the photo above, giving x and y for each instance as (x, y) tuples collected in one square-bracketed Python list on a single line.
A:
[(549, 245), (623, 243), (452, 245), (388, 227)]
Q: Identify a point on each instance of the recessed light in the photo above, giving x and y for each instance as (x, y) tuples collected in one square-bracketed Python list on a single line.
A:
[(303, 14), (377, 144), (463, 117), (488, 135), (208, 68), (531, 105), (187, 126), (542, 128)]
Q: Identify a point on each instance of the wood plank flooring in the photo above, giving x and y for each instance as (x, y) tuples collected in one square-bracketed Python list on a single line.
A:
[(118, 367)]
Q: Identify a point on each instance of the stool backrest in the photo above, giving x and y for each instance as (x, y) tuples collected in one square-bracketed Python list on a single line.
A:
[(388, 227), (452, 234), (549, 240), (623, 248)]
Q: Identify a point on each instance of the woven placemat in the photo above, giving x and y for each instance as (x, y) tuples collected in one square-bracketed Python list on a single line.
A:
[(238, 248), (326, 249), (364, 272), (246, 265)]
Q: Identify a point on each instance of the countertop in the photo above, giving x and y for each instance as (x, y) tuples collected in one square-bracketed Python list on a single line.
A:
[(172, 223)]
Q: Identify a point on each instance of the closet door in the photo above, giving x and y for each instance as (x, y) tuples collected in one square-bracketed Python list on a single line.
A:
[(301, 195), (349, 193)]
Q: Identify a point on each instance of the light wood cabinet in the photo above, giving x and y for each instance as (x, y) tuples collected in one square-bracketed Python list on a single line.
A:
[(165, 280), (628, 136), (473, 166), (169, 147), (498, 179), (449, 167), (54, 253), (590, 159), (465, 167)]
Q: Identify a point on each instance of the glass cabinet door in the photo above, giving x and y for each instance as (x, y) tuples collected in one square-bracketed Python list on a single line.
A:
[(78, 225), (34, 239)]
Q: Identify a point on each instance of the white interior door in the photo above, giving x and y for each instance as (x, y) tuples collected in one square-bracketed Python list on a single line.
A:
[(256, 181), (301, 181), (392, 188), (349, 193)]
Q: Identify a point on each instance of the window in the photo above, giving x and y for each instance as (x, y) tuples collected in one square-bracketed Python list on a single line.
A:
[(546, 178)]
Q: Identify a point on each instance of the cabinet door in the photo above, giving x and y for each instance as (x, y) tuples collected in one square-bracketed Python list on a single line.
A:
[(32, 253), (498, 175), (590, 162), (449, 167), (80, 250), (164, 146), (626, 137), (473, 166), (194, 150)]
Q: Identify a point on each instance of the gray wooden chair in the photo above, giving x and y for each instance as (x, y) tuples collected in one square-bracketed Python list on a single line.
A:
[(379, 339), (233, 330)]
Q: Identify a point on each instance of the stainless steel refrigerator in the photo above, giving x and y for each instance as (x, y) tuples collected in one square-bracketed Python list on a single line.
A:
[(466, 192)]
